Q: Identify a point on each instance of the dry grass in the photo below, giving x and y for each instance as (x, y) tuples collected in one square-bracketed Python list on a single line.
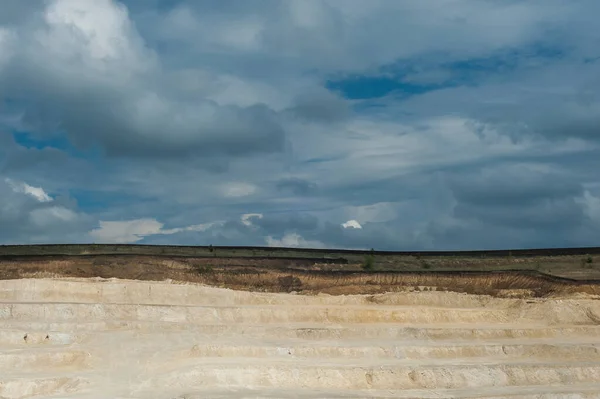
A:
[(271, 276), (496, 284)]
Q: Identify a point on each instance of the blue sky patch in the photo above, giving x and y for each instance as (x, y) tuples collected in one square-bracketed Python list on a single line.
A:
[(28, 140), (407, 78)]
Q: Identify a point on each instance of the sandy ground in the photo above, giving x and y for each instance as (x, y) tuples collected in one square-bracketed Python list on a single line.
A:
[(96, 338)]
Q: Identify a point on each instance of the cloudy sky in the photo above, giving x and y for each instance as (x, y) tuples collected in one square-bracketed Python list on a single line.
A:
[(386, 124)]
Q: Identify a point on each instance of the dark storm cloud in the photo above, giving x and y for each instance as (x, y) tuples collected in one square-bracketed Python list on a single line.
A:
[(519, 196), (320, 106), (547, 214), (510, 185), (132, 123), (296, 186)]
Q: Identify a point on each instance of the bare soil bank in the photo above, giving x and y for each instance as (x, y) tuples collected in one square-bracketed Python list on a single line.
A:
[(311, 276)]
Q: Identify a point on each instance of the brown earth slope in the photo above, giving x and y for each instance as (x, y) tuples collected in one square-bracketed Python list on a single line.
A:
[(308, 277)]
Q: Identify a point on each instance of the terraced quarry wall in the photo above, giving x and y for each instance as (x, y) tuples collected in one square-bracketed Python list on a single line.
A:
[(115, 326), (98, 338)]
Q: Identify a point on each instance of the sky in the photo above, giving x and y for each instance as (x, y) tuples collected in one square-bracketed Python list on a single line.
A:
[(384, 124)]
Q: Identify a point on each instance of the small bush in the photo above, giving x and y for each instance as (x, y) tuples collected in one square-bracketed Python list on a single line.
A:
[(289, 283), (369, 263), (587, 262), (203, 269)]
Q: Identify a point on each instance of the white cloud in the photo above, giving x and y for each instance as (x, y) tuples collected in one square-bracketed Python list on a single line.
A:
[(195, 227), (238, 189), (365, 148), (220, 34), (351, 224), (293, 240), (131, 231), (347, 35), (93, 36), (247, 218), (591, 206), (36, 192), (49, 216), (124, 232)]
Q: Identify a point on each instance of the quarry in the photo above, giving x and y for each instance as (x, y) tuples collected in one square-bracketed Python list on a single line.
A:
[(366, 336)]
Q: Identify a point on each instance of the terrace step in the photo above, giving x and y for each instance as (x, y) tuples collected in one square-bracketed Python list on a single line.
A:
[(54, 312), (27, 387), (345, 375), (578, 391)]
